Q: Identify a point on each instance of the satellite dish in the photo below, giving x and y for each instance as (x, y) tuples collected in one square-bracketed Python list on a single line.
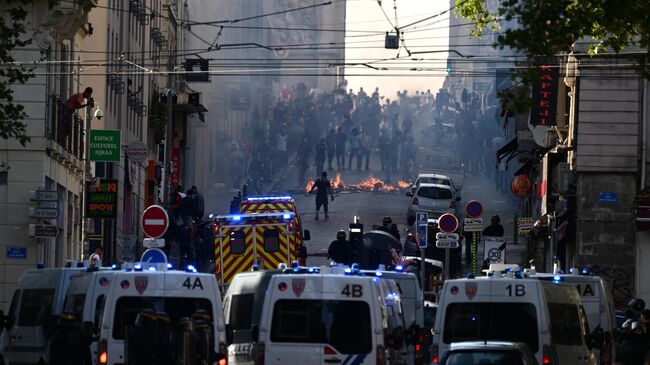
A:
[(540, 135)]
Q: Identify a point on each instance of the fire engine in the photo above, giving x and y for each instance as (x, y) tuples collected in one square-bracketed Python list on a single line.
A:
[(267, 233)]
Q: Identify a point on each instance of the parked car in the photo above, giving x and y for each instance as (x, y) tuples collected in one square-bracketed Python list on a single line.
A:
[(434, 179), (434, 199), (489, 352)]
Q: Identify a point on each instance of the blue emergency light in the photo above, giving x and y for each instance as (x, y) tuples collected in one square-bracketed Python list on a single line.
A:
[(169, 266), (137, 267), (260, 198), (286, 216), (470, 275), (151, 268), (379, 273), (399, 268), (557, 279), (236, 218), (190, 268)]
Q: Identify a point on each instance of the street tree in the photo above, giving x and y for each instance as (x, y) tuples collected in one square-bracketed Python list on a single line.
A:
[(546, 28)]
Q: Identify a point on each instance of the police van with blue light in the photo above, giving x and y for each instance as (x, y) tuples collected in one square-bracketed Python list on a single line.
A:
[(36, 306), (329, 315), (412, 300), (598, 305), (153, 312), (509, 306)]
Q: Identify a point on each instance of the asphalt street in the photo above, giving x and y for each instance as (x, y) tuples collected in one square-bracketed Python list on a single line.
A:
[(371, 207)]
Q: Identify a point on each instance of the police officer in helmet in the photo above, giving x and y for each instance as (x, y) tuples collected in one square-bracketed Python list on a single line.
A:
[(340, 250), (388, 227)]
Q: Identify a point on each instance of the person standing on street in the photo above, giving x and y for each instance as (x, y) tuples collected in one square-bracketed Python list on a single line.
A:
[(199, 203), (323, 186), (331, 147), (302, 157), (355, 144), (340, 141), (319, 155), (96, 257), (339, 250), (495, 229)]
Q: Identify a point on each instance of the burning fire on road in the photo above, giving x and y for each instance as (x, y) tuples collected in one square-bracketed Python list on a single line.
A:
[(370, 183)]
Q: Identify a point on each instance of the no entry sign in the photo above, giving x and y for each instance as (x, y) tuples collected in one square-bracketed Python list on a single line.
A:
[(155, 221), (447, 223)]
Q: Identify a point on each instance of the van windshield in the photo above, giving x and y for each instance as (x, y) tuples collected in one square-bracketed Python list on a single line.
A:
[(128, 308), (345, 325), (434, 180), (514, 322)]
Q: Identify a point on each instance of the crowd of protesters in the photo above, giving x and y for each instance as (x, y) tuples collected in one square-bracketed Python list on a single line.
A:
[(309, 128)]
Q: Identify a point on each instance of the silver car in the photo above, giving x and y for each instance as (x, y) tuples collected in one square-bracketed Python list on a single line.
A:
[(434, 199), (488, 352)]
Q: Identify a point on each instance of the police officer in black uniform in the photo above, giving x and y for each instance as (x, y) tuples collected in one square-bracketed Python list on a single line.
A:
[(340, 250)]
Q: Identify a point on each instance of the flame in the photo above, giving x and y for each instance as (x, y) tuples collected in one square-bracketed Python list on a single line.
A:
[(370, 183), (309, 185), (337, 182), (403, 184)]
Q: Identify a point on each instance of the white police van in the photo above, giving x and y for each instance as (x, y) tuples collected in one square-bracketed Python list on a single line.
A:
[(413, 309), (85, 300), (156, 312), (35, 307), (242, 309), (598, 304), (547, 316), (314, 317)]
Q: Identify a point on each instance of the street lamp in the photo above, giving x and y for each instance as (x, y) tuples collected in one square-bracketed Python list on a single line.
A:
[(99, 114)]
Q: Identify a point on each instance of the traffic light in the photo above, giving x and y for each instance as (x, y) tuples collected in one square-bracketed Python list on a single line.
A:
[(450, 65)]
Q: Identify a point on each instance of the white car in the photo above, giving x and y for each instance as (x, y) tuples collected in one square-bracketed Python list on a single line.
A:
[(435, 199), (434, 179)]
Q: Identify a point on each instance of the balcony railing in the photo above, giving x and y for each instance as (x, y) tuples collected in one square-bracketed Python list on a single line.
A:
[(66, 128)]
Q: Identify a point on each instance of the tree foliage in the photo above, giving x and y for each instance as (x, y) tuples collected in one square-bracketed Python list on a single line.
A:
[(545, 27), (12, 28)]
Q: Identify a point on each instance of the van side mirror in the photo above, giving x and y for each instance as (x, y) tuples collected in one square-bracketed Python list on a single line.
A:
[(458, 199), (255, 333), (229, 334), (408, 193), (306, 235)]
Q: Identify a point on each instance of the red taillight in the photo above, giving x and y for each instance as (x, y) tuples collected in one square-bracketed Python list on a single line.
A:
[(381, 356), (222, 356), (452, 205), (548, 355), (328, 351), (102, 351), (416, 201), (418, 347), (258, 354), (434, 354)]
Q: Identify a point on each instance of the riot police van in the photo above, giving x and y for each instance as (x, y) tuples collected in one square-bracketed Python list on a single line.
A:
[(547, 316), (412, 305), (32, 317), (154, 315), (598, 304), (314, 317), (242, 309), (84, 302)]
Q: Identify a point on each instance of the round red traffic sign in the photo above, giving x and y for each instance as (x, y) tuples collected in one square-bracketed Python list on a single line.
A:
[(155, 221), (474, 208), (447, 223)]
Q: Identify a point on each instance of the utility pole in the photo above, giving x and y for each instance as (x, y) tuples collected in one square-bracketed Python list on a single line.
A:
[(86, 175)]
